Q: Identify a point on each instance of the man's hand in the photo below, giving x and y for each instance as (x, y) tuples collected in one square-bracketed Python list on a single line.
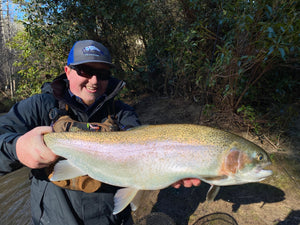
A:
[(189, 182), (32, 151)]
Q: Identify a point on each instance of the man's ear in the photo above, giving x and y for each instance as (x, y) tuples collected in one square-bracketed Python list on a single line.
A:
[(67, 70)]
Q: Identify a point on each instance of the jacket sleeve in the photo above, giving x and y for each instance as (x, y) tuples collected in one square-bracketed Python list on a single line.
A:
[(21, 118), (126, 115)]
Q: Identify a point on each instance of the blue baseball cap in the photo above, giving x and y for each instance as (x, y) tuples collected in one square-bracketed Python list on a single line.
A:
[(88, 51)]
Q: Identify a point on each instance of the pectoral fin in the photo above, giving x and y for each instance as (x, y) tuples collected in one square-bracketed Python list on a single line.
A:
[(123, 197), (213, 178), (64, 170), (212, 193)]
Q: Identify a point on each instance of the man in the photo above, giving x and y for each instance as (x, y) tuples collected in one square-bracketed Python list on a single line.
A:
[(84, 93)]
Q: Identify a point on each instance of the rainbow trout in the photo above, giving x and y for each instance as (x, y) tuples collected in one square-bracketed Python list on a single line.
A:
[(156, 156)]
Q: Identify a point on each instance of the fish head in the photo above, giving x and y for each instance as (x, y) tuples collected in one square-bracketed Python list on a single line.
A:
[(245, 163)]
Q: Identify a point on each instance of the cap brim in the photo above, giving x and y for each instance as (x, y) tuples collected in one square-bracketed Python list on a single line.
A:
[(89, 61)]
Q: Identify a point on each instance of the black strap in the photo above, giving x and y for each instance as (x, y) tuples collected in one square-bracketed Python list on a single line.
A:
[(56, 113)]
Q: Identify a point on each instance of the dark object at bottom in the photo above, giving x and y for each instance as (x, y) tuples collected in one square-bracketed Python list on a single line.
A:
[(216, 219), (156, 218)]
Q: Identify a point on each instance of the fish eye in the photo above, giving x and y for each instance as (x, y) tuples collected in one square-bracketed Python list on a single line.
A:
[(260, 157)]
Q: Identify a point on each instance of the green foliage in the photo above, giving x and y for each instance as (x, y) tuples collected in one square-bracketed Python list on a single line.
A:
[(257, 40), (35, 66), (236, 53), (250, 115)]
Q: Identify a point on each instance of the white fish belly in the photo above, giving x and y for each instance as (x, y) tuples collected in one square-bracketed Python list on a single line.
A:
[(147, 166)]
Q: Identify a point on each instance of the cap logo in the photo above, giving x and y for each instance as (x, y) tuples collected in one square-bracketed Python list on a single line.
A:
[(92, 50)]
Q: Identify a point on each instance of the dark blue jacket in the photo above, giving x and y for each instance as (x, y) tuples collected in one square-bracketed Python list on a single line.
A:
[(51, 204)]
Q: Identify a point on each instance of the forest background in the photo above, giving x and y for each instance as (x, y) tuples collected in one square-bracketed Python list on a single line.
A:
[(237, 58)]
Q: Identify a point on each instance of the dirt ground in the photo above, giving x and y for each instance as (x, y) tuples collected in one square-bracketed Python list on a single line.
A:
[(276, 200)]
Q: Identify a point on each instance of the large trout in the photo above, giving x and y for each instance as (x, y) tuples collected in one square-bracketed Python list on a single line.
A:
[(156, 156)]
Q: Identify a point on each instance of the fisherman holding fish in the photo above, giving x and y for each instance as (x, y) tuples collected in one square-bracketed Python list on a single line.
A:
[(80, 99)]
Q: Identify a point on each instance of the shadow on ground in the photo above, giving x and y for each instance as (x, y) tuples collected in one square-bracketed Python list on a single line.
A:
[(292, 219), (250, 193), (181, 203)]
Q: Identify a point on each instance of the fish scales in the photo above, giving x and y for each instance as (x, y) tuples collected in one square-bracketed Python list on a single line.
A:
[(155, 156), (142, 148), (138, 163)]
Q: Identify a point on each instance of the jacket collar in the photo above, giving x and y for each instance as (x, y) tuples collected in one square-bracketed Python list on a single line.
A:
[(60, 86)]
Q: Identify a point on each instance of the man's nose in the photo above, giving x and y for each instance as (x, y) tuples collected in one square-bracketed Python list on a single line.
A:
[(94, 79)]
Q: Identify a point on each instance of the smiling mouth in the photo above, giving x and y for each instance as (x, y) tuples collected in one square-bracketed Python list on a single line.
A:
[(91, 89)]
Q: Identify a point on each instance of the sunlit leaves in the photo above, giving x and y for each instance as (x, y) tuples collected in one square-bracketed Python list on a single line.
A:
[(187, 48)]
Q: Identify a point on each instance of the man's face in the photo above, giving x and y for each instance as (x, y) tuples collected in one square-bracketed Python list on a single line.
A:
[(88, 88)]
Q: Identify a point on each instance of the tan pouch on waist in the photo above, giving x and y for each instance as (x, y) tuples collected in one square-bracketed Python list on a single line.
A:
[(82, 183)]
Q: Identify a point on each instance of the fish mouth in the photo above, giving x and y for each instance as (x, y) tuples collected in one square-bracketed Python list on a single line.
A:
[(256, 174), (260, 167), (261, 173)]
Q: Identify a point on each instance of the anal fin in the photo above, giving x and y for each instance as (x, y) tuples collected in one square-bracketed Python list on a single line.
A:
[(122, 198)]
